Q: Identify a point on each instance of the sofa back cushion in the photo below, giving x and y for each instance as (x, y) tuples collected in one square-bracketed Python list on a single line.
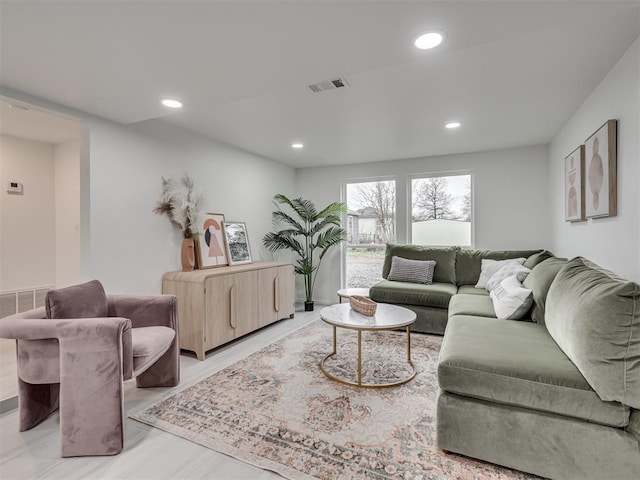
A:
[(537, 258), (594, 317), (411, 271), (468, 262), (445, 258), (539, 281), (86, 300)]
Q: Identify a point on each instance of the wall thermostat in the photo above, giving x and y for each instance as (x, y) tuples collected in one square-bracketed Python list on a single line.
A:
[(14, 187)]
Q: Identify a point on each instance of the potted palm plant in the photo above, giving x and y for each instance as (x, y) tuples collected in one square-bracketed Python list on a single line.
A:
[(308, 233)]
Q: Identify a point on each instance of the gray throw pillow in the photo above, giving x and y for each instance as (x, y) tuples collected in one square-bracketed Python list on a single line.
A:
[(411, 271), (86, 300)]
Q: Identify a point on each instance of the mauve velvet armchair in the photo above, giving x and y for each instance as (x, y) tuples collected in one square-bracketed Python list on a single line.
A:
[(75, 354)]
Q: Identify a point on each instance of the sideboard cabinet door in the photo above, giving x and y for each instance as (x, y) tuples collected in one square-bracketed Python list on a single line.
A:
[(218, 305)]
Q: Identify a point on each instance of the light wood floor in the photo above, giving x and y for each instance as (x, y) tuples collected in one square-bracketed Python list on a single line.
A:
[(149, 453)]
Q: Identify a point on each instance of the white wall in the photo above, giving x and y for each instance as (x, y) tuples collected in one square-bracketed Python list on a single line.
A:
[(509, 198), (123, 243), (27, 250), (612, 242), (67, 208), (130, 246)]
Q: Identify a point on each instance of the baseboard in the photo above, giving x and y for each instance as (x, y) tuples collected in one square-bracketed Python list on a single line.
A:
[(8, 404)]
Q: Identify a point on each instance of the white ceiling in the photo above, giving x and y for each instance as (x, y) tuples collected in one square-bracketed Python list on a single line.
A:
[(24, 122), (512, 72)]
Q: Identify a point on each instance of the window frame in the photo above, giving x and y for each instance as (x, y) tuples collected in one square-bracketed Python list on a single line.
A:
[(343, 195), (449, 173)]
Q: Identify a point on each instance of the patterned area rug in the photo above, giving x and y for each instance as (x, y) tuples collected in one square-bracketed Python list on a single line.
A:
[(276, 410)]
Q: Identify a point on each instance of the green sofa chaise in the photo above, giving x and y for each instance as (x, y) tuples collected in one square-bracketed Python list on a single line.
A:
[(558, 395), (555, 394)]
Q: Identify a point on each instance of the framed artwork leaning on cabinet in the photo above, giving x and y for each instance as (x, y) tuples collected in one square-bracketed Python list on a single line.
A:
[(237, 242), (211, 244)]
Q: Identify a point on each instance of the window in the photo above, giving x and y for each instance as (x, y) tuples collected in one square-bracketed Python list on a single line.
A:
[(441, 210), (371, 223)]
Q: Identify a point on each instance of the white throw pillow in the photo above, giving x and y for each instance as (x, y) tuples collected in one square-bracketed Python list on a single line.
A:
[(511, 300), (412, 271), (489, 267), (510, 269)]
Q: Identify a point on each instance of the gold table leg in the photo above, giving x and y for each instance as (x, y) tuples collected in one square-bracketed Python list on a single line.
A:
[(359, 382), (359, 357)]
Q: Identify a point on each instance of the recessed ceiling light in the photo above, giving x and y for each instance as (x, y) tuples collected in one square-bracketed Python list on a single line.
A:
[(429, 40), (168, 102), (453, 125), (297, 145)]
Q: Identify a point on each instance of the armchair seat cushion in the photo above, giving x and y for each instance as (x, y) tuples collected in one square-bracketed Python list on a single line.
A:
[(149, 344), (434, 295), (519, 364)]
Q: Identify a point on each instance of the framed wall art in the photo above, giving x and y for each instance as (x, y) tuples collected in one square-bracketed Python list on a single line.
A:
[(601, 172), (574, 186), (211, 249), (237, 242)]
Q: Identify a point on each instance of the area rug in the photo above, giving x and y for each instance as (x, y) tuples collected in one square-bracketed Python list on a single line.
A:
[(276, 410)]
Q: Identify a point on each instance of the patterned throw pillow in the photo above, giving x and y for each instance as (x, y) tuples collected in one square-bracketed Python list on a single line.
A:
[(489, 267), (412, 271), (511, 300), (508, 270)]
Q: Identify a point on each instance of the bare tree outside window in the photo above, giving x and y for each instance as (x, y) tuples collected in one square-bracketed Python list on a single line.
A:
[(380, 197), (371, 224), (466, 201), (432, 200), (441, 210)]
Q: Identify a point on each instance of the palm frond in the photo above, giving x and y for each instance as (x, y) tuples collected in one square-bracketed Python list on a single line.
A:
[(275, 241), (336, 209), (280, 216), (319, 226), (327, 239), (304, 208)]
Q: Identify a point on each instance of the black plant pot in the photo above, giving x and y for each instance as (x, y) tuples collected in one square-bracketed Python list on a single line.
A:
[(308, 306)]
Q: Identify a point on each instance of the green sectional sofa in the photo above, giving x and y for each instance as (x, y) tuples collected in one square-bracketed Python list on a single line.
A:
[(456, 272), (557, 395)]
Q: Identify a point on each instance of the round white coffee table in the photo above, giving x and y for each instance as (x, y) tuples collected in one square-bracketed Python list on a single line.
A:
[(387, 317), (349, 292)]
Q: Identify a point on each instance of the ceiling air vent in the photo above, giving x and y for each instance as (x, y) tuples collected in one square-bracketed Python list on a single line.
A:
[(328, 85)]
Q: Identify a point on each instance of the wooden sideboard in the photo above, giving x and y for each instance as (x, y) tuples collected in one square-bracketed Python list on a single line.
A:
[(217, 305)]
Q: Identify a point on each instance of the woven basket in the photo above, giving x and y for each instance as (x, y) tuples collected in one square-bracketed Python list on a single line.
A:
[(363, 305)]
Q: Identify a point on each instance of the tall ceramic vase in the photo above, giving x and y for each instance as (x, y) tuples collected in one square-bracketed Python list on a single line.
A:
[(188, 255)]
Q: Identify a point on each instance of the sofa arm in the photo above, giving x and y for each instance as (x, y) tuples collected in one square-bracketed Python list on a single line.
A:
[(145, 310)]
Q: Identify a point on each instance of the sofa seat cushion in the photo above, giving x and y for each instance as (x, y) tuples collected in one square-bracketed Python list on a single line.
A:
[(518, 363), (149, 344), (472, 290), (470, 304), (434, 295)]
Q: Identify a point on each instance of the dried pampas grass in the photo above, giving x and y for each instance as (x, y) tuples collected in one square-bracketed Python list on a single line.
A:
[(180, 202)]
